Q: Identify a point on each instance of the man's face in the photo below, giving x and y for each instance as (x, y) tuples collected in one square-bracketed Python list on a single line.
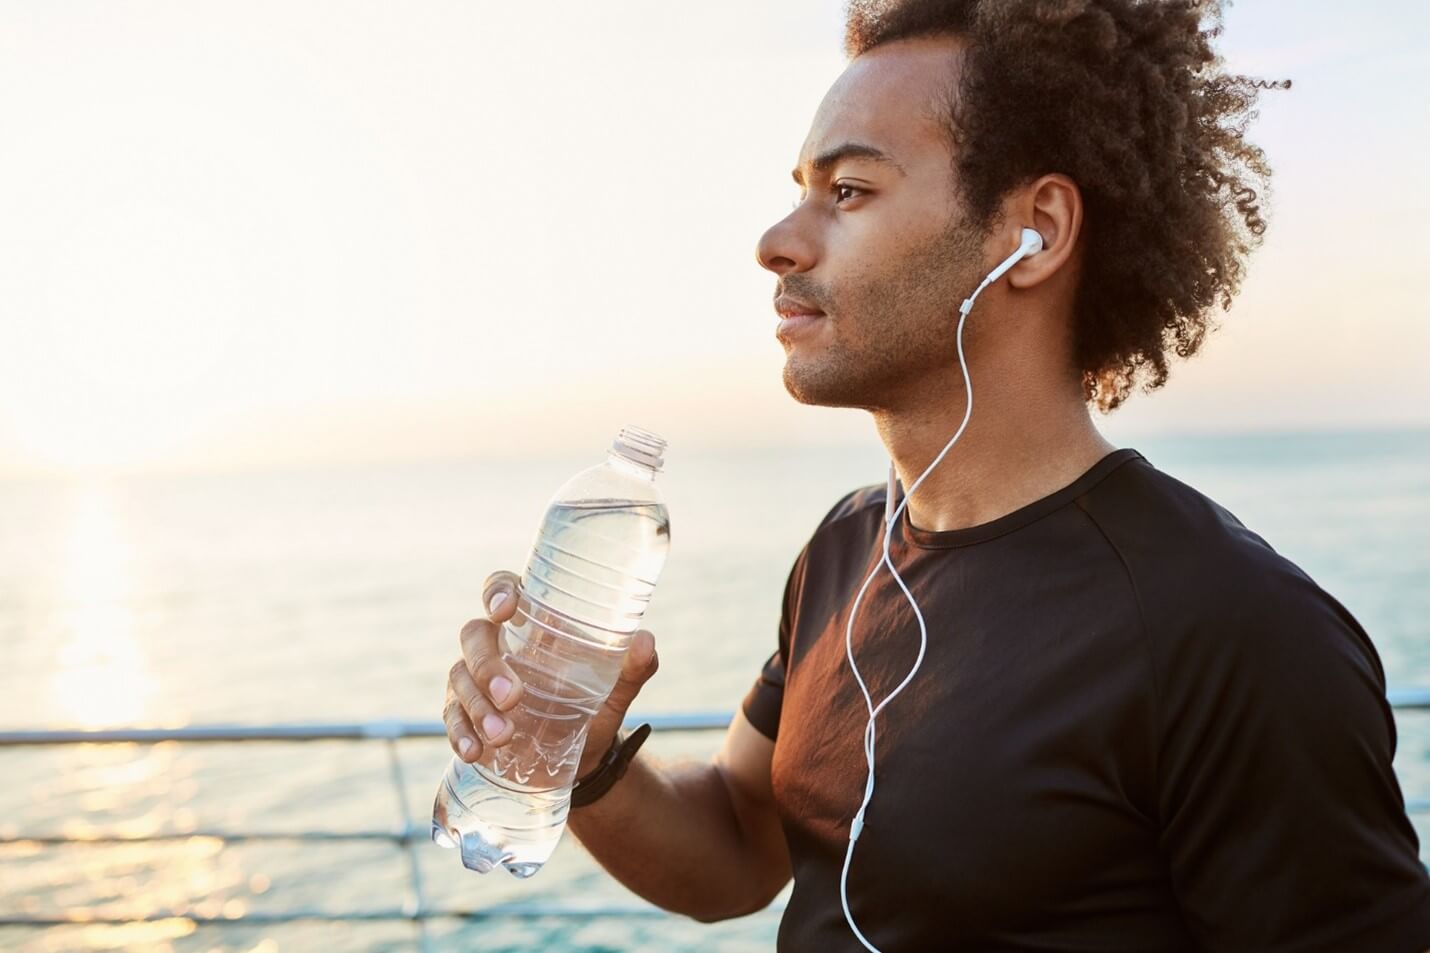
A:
[(878, 241)]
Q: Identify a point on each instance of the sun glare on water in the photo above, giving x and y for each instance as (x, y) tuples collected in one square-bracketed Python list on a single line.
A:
[(102, 677)]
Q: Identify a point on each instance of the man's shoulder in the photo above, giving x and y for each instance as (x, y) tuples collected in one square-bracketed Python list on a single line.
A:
[(1163, 527), (858, 505), (1207, 585), (846, 531)]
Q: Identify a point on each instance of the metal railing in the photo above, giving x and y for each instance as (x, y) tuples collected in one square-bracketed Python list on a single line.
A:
[(407, 835)]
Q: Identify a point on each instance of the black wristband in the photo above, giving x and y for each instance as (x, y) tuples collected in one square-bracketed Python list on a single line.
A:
[(611, 769)]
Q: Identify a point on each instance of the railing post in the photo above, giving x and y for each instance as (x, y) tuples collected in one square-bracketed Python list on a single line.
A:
[(416, 905)]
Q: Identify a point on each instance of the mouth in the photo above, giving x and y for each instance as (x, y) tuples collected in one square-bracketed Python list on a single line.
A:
[(796, 317), (796, 324)]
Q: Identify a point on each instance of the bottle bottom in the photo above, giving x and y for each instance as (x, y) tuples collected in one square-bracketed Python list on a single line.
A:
[(495, 823)]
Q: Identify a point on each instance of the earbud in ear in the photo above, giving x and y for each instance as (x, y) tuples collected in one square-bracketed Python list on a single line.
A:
[(1032, 244)]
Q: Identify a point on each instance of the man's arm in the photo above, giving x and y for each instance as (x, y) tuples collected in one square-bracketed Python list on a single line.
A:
[(701, 840), (1282, 818)]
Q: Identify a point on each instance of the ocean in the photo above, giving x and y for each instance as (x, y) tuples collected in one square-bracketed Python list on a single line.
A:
[(337, 595)]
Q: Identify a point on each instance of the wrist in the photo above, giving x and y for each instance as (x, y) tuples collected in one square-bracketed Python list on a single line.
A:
[(593, 785)]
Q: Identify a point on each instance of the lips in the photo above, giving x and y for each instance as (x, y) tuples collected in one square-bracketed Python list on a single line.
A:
[(788, 307), (796, 318), (795, 324)]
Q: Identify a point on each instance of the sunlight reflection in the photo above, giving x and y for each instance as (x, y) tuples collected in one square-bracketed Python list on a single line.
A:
[(148, 936), (102, 677)]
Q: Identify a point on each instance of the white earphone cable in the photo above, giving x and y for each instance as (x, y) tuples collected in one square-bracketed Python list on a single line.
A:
[(856, 827)]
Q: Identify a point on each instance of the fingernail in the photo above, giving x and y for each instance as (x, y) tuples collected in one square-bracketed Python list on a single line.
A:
[(500, 688), (498, 601), (464, 746), (493, 725)]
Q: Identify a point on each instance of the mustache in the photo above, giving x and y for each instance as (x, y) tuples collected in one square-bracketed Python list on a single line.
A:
[(808, 293)]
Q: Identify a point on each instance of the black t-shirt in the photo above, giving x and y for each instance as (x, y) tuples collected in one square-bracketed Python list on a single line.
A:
[(1137, 728)]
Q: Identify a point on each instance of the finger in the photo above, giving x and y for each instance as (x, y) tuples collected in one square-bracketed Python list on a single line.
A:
[(640, 663), (481, 651), (499, 595), (641, 660), (494, 729), (459, 730)]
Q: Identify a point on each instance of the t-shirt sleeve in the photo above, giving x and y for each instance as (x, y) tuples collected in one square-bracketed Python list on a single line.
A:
[(1283, 824), (763, 701)]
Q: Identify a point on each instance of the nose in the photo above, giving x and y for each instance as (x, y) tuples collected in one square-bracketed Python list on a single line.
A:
[(783, 247)]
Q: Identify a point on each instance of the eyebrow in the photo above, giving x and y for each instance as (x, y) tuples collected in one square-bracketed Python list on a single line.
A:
[(849, 150)]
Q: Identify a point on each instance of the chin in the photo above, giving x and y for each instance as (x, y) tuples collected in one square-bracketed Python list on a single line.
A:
[(820, 387)]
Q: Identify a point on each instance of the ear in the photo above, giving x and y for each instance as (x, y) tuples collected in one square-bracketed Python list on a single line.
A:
[(1051, 204)]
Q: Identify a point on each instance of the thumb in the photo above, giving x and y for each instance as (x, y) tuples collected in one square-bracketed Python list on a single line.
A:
[(638, 666)]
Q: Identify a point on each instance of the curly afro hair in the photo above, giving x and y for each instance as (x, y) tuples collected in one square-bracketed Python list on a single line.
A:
[(1128, 99)]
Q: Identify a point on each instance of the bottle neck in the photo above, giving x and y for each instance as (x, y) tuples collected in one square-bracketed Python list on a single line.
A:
[(635, 468)]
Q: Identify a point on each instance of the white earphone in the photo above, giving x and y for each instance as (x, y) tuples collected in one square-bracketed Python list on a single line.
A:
[(1031, 244)]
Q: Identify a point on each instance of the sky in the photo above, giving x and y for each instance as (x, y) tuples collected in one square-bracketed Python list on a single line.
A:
[(267, 234)]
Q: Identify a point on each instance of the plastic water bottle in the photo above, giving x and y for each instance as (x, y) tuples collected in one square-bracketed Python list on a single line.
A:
[(593, 567)]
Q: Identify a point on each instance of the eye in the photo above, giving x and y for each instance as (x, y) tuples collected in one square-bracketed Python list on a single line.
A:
[(842, 192)]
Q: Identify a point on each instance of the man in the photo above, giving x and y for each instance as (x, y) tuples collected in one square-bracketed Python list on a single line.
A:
[(1137, 727)]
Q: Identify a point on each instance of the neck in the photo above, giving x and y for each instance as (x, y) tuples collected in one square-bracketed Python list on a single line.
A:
[(1022, 443)]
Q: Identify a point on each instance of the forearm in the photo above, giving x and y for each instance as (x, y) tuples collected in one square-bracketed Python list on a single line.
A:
[(671, 834)]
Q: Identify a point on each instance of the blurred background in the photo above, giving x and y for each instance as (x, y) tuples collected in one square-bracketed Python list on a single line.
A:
[(308, 307)]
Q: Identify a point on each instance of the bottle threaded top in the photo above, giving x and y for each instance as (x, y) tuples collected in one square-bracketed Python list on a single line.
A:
[(640, 447)]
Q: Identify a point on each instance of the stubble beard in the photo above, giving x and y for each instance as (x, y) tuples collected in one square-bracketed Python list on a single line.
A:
[(892, 328)]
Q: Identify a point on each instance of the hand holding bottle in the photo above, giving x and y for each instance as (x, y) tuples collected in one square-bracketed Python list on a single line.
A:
[(482, 689)]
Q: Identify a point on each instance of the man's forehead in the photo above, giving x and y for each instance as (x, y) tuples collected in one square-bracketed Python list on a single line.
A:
[(890, 98)]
